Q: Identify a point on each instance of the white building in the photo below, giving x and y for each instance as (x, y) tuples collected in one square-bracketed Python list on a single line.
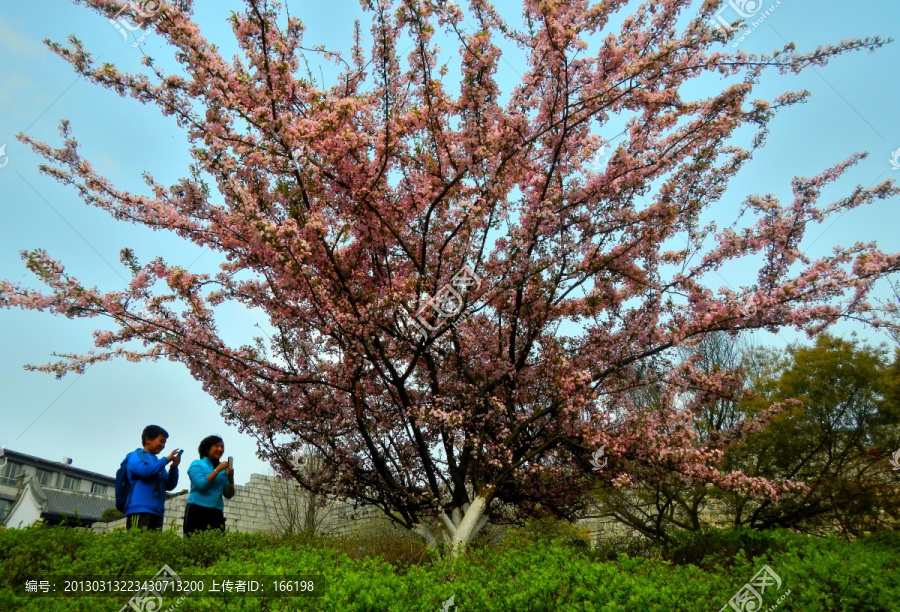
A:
[(33, 488)]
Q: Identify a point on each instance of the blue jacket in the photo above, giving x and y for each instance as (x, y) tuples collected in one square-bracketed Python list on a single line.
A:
[(203, 492), (149, 482)]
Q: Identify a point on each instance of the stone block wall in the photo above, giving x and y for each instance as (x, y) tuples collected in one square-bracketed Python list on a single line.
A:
[(269, 504), (275, 505), (605, 528)]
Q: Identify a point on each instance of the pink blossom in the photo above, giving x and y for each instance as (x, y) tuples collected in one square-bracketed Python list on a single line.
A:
[(399, 184)]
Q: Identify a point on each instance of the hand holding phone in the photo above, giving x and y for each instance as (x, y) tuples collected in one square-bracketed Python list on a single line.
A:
[(230, 471)]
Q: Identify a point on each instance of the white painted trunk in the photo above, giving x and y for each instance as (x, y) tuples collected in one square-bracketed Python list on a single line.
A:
[(423, 530), (460, 528), (463, 525)]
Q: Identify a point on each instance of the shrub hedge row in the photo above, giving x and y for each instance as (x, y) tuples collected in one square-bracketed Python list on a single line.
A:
[(698, 572)]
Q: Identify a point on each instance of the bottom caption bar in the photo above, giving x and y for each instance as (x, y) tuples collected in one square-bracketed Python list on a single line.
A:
[(172, 585)]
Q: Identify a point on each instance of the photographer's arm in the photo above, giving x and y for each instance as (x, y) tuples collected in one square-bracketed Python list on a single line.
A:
[(145, 470), (199, 480)]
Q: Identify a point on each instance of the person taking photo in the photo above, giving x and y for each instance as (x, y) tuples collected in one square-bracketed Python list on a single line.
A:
[(211, 481), (150, 480)]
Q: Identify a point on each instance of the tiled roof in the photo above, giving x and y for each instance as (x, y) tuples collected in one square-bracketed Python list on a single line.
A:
[(61, 502), (69, 503)]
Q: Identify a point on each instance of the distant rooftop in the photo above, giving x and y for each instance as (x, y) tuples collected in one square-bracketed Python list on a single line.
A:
[(56, 505), (15, 455), (71, 503)]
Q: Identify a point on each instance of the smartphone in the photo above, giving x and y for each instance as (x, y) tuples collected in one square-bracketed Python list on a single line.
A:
[(230, 463), (180, 452)]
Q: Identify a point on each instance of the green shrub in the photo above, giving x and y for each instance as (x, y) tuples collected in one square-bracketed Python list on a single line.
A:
[(111, 514), (399, 548), (540, 572), (718, 547), (552, 530), (885, 539), (609, 548)]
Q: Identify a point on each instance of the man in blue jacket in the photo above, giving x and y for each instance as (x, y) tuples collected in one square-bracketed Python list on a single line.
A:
[(150, 480)]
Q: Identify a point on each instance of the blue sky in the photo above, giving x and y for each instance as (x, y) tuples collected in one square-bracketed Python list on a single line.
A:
[(97, 417)]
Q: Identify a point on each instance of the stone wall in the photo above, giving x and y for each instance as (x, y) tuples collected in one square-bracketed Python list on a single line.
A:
[(270, 504), (276, 505), (606, 528)]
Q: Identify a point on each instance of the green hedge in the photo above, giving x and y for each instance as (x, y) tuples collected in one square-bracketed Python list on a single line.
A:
[(699, 572)]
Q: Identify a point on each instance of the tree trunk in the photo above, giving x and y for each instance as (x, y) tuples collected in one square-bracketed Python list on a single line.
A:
[(461, 527), (465, 525)]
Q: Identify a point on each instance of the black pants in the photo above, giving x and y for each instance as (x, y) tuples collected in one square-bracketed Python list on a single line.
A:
[(144, 520), (200, 518)]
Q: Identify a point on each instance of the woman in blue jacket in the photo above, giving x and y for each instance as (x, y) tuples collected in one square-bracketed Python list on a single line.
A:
[(211, 480)]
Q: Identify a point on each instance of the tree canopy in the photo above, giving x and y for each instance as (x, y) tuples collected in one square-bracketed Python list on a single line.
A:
[(461, 301)]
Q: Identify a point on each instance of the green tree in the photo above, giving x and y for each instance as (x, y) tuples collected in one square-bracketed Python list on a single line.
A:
[(835, 440)]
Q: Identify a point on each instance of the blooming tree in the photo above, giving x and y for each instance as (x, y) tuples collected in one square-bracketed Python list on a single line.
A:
[(460, 298)]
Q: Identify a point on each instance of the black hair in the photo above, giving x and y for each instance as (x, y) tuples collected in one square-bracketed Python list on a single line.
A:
[(151, 432), (206, 444)]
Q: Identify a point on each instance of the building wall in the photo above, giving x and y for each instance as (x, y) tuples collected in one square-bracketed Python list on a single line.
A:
[(26, 512), (268, 504), (31, 465), (601, 529), (8, 490)]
